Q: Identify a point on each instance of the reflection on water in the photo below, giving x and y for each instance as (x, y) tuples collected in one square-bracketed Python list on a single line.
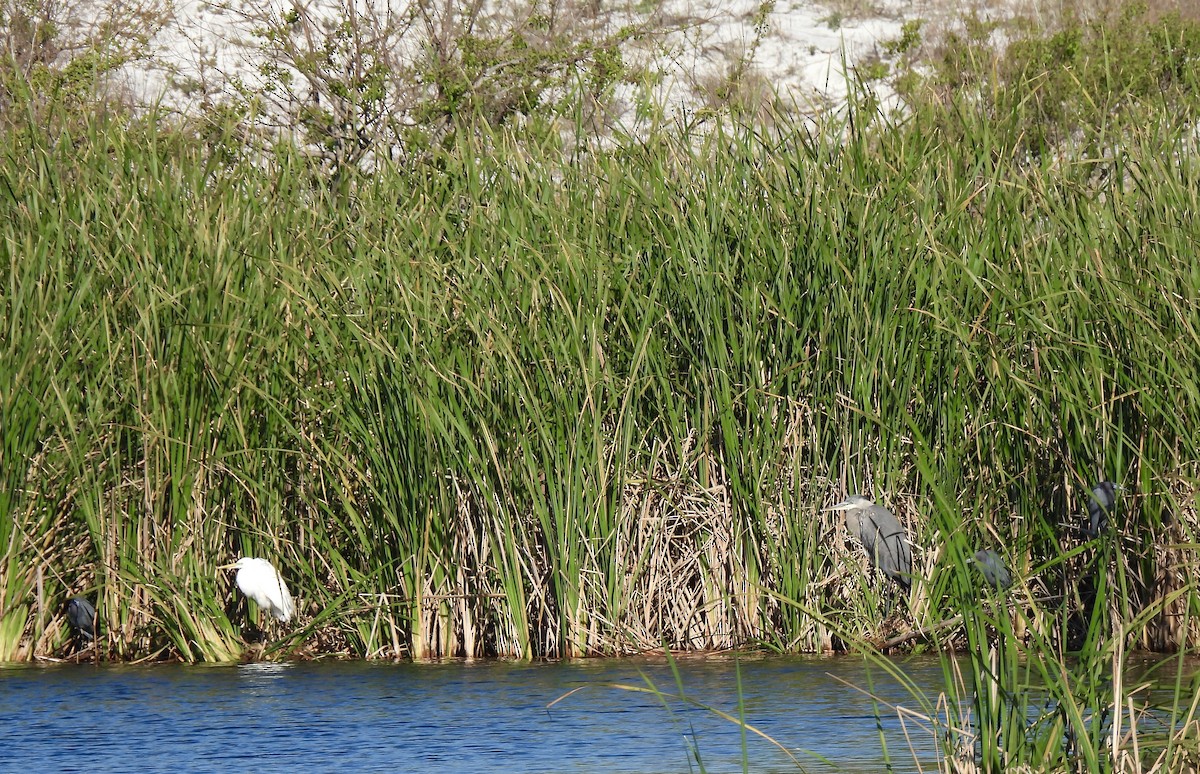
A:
[(492, 716)]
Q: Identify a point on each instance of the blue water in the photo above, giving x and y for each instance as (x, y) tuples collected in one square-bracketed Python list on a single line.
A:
[(449, 717), (462, 717)]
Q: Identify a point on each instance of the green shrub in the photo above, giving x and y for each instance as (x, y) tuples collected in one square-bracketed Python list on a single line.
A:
[(1073, 86)]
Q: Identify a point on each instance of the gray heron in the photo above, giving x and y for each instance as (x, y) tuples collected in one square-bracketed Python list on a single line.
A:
[(993, 568), (1100, 505), (82, 616), (881, 533)]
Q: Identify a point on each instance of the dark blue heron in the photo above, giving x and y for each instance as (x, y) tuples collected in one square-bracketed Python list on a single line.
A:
[(82, 615), (993, 568), (1100, 506), (882, 535)]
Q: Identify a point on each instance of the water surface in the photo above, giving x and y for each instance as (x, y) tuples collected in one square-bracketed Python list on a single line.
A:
[(460, 717)]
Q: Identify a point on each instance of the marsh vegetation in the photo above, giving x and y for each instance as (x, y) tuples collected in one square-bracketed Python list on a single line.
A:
[(529, 394)]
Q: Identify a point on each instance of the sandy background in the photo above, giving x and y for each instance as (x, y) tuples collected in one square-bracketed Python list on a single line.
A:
[(800, 49)]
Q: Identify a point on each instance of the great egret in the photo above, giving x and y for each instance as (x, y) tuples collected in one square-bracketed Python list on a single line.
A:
[(1100, 505), (993, 569), (881, 534), (82, 616), (259, 581)]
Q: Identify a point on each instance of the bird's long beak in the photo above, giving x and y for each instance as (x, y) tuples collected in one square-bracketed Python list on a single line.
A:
[(227, 566), (844, 505)]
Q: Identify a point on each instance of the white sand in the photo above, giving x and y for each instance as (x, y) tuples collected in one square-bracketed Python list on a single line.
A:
[(802, 51)]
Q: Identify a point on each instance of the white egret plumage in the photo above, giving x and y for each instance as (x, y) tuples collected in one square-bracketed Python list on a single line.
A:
[(259, 581)]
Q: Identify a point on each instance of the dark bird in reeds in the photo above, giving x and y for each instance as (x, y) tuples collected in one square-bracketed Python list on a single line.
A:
[(1100, 507), (881, 533), (993, 568), (82, 616)]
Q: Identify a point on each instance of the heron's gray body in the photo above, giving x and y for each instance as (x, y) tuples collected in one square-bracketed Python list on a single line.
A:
[(993, 569), (82, 615), (881, 533), (1100, 505)]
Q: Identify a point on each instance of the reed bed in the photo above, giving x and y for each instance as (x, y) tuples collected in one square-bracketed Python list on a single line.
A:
[(496, 405)]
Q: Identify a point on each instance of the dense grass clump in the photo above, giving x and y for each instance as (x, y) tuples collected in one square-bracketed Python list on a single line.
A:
[(1073, 86), (495, 405)]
